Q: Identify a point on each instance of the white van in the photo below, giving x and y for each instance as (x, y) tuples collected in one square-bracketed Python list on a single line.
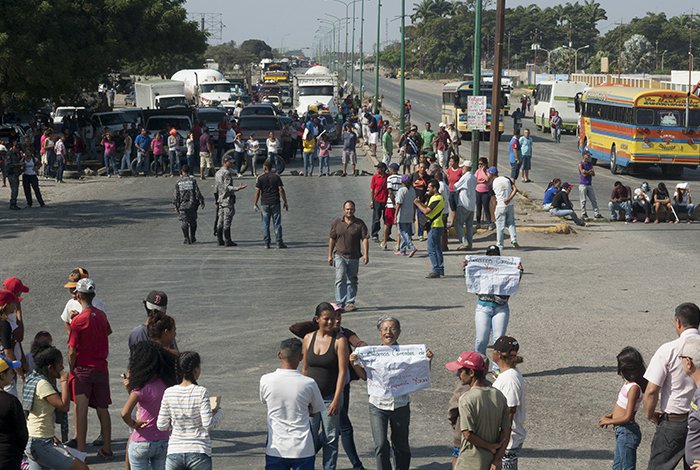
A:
[(551, 95)]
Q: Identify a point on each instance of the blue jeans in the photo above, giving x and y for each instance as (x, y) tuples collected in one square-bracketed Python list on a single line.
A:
[(398, 420), (110, 165), (346, 270), (488, 321), (325, 430), (188, 461), (620, 206), (324, 162), (687, 208), (126, 161), (78, 158), (308, 163), (43, 453), (347, 433), (273, 211), (566, 213), (280, 463), (174, 162), (51, 158), (627, 439), (59, 170), (514, 170), (190, 163), (274, 158), (435, 250), (482, 204), (142, 161), (505, 217), (405, 232), (147, 455), (462, 219)]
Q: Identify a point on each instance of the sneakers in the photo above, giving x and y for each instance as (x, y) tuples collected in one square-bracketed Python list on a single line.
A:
[(350, 308), (515, 244), (281, 245), (598, 216), (432, 275)]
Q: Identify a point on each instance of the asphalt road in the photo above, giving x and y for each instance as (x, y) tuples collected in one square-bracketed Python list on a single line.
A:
[(583, 297)]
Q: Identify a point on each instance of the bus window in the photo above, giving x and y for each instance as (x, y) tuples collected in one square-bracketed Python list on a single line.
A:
[(645, 117), (668, 118), (694, 120)]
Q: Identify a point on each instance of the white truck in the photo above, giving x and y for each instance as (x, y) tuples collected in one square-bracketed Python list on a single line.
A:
[(160, 94), (193, 80), (318, 87)]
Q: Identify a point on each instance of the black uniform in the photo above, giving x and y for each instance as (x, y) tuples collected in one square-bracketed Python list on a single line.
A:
[(187, 199)]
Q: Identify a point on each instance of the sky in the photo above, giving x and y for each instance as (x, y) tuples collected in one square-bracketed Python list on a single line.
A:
[(292, 24)]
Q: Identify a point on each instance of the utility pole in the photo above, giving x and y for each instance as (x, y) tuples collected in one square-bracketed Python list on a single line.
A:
[(352, 71), (402, 93), (619, 50), (476, 71), (362, 47), (496, 93), (376, 57)]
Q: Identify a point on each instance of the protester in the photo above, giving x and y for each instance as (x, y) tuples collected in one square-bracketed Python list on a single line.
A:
[(484, 415), (465, 190), (433, 211), (88, 348), (8, 308), (348, 242), (13, 427), (526, 151), (631, 367), (561, 205), (671, 389), (206, 150), (662, 200), (379, 195), (420, 181), (511, 383), (11, 169), (269, 190), (555, 124), (349, 146), (553, 188), (290, 398), (143, 147), (187, 199), (309, 150), (642, 202), (110, 154), (325, 361), (411, 144), (324, 156), (515, 156), (585, 187), (505, 190), (405, 210), (484, 181), (151, 371), (387, 146), (388, 412), (442, 145), (173, 150), (30, 180), (156, 305), (393, 183), (226, 201), (620, 200), (690, 359), (186, 411), (683, 202), (73, 307)]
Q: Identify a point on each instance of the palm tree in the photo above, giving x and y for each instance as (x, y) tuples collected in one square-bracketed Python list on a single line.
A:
[(593, 13), (422, 11)]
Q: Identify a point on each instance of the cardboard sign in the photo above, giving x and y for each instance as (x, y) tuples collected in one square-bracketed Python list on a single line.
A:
[(395, 370), (495, 275)]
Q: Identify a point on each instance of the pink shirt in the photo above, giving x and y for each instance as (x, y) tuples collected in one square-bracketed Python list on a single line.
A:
[(324, 148), (481, 185), (150, 396), (110, 147), (157, 147), (453, 176)]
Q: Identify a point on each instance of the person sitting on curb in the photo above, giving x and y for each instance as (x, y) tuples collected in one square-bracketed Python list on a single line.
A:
[(552, 188), (683, 201), (620, 199), (642, 203), (661, 198), (562, 207)]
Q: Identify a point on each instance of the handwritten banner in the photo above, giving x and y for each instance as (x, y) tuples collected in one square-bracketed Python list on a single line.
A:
[(495, 275), (476, 112), (395, 370)]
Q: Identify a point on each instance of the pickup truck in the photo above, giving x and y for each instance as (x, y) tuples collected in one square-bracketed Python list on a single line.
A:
[(162, 120), (260, 126)]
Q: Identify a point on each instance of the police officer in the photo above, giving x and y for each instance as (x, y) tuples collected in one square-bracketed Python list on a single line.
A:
[(226, 200), (12, 169), (187, 200)]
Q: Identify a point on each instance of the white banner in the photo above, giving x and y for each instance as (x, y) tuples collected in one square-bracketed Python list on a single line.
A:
[(476, 112), (395, 370), (495, 275)]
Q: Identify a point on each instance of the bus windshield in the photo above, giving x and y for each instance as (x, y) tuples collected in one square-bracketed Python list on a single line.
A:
[(217, 88), (316, 90)]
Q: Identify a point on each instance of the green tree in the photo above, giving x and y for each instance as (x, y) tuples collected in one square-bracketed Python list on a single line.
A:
[(256, 48)]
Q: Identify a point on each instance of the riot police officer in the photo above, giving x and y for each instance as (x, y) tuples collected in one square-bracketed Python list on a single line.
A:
[(226, 200), (187, 200), (12, 169)]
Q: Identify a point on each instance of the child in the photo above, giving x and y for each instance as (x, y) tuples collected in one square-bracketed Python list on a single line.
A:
[(630, 365), (324, 154)]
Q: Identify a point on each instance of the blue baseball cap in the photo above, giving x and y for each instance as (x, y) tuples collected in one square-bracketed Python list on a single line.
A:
[(5, 364), (492, 170)]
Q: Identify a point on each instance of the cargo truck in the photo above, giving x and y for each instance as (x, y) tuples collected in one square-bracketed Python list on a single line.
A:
[(160, 94)]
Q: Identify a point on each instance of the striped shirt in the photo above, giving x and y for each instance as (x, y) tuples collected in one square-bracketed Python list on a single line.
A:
[(187, 411)]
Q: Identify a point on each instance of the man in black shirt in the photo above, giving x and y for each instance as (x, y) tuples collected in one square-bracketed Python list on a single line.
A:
[(269, 190), (562, 207)]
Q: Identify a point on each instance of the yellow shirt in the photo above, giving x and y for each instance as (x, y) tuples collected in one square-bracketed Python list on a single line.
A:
[(309, 145), (42, 418), (438, 209)]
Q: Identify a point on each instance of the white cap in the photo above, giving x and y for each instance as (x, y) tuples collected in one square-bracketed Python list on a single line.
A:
[(85, 286), (3, 148), (442, 124)]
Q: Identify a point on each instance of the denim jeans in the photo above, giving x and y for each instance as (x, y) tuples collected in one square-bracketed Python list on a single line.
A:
[(274, 159), (239, 158), (346, 270), (398, 421), (514, 170), (462, 219), (687, 208), (482, 204), (489, 321), (273, 211), (147, 455), (620, 206), (60, 166), (43, 453), (281, 463), (51, 159), (174, 162), (78, 158), (308, 163), (188, 461), (347, 434), (505, 217), (30, 182), (110, 165), (566, 213), (324, 162), (325, 430), (405, 232), (126, 161), (191, 162), (627, 439), (668, 445), (435, 250), (142, 163), (159, 166)]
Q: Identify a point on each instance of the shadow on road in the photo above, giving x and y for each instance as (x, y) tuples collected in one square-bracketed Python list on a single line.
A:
[(429, 308), (572, 370), (589, 454)]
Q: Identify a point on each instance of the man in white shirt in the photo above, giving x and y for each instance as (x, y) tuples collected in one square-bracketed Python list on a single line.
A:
[(290, 398), (505, 191), (466, 205), (672, 390)]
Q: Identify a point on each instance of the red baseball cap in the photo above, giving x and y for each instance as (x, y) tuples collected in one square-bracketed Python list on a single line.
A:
[(7, 297), (467, 360), (15, 286)]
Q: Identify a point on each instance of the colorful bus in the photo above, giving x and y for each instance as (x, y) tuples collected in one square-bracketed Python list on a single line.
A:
[(559, 95), (637, 128), (454, 107)]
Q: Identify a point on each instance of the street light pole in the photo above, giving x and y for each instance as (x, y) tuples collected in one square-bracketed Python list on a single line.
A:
[(362, 47), (476, 72), (376, 57), (352, 70), (402, 94), (496, 92)]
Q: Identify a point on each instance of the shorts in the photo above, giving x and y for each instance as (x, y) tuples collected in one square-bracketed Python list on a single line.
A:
[(373, 138), (526, 162), (44, 452), (92, 383), (389, 215), (349, 156), (205, 160)]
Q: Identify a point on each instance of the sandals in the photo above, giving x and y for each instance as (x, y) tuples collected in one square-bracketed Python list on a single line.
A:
[(105, 456)]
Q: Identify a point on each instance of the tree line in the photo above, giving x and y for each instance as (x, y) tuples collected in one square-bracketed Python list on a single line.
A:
[(440, 38)]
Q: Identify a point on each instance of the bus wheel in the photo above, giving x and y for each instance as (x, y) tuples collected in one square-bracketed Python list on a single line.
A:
[(613, 162)]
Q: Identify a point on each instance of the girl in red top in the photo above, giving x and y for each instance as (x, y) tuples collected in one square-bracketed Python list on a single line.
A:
[(454, 173), (157, 149)]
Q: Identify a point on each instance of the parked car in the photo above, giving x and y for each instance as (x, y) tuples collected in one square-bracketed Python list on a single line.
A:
[(11, 133), (132, 115), (260, 109), (212, 118), (112, 120), (130, 99), (261, 127)]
